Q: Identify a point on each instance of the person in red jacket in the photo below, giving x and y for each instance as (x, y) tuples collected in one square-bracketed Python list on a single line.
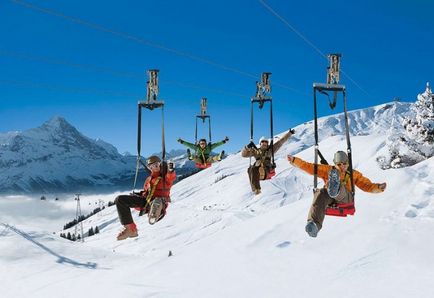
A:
[(154, 198)]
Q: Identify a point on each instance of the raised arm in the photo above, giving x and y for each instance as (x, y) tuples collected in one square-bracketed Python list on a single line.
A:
[(279, 143), (215, 145), (187, 144)]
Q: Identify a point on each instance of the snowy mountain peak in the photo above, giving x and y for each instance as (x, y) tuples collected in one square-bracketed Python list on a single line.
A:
[(59, 125), (57, 121), (57, 157)]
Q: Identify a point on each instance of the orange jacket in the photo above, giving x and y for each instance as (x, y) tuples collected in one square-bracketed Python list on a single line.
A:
[(359, 180), (160, 191)]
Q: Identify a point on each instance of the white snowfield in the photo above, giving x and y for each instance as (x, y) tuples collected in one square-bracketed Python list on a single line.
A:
[(226, 242)]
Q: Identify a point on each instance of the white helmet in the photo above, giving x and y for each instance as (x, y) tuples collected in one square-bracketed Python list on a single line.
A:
[(263, 139)]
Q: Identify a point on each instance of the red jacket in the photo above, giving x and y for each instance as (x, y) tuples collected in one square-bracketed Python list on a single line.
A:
[(160, 191)]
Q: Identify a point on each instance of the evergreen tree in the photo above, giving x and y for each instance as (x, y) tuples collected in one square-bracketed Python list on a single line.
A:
[(73, 238), (68, 236), (417, 142), (96, 230), (91, 232)]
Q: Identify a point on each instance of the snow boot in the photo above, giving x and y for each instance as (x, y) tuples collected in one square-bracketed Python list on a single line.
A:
[(312, 228), (129, 231), (220, 156), (190, 157), (155, 210), (334, 183)]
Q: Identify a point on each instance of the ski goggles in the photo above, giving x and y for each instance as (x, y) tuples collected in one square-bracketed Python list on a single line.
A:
[(153, 165)]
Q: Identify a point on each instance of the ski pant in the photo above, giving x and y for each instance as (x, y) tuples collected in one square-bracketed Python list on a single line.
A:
[(253, 172), (321, 200), (210, 159), (124, 203)]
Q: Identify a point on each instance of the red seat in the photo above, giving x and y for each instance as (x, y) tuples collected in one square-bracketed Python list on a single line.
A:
[(203, 165), (341, 209), (270, 174)]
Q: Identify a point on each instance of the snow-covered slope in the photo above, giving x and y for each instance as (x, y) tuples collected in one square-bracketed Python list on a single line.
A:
[(227, 242)]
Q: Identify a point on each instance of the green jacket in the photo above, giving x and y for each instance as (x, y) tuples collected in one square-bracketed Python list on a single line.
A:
[(199, 152)]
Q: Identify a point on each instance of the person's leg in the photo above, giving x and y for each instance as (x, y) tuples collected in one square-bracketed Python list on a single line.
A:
[(198, 160), (157, 209), (254, 178), (123, 205), (344, 196), (318, 208), (212, 159)]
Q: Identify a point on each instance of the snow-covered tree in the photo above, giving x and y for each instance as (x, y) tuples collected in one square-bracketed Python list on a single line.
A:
[(416, 142)]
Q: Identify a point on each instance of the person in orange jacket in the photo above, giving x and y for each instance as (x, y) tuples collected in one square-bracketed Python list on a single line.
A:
[(154, 198), (337, 187)]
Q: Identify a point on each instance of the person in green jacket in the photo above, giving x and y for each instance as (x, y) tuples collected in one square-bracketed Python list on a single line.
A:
[(202, 151)]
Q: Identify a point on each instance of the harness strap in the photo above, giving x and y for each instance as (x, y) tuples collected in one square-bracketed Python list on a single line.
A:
[(150, 195), (153, 187), (346, 177)]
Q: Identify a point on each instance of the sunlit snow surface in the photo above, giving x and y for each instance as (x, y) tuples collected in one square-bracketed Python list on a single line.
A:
[(228, 243)]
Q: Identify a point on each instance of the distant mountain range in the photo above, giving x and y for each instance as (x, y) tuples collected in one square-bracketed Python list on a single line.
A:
[(56, 157)]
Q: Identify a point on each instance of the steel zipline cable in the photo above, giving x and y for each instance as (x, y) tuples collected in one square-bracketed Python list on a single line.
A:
[(100, 69), (306, 40), (147, 42)]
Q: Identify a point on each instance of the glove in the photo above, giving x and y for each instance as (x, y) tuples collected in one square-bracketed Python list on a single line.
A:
[(180, 140), (292, 131), (251, 145), (226, 139), (170, 166)]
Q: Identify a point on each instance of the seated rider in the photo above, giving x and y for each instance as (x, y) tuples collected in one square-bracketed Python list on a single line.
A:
[(203, 151), (337, 187), (263, 166), (154, 199)]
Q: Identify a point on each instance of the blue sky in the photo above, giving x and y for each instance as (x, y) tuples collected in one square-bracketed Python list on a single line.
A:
[(93, 73)]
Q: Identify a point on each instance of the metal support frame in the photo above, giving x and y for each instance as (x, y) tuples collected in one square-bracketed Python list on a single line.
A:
[(203, 116), (322, 88), (263, 90), (333, 70), (78, 216), (151, 103)]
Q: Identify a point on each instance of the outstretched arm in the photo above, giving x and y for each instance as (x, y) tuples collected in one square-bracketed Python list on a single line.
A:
[(215, 145), (366, 185), (187, 144), (309, 167), (279, 143)]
